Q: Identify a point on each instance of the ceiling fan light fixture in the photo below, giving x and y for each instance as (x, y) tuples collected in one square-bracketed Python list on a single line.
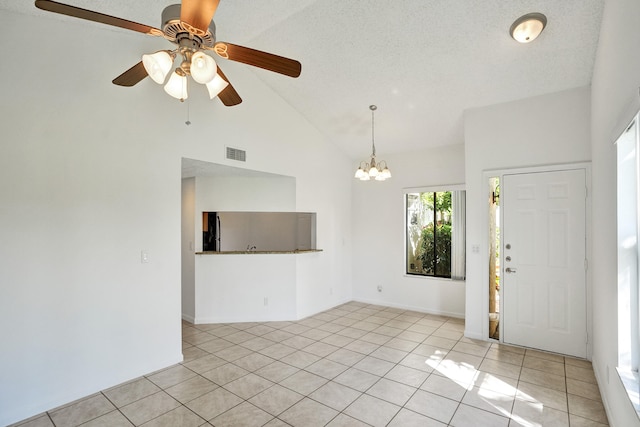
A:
[(217, 85), (177, 85), (528, 27), (158, 65), (203, 67)]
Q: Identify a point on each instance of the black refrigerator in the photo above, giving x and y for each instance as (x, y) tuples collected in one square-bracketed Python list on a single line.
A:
[(210, 231)]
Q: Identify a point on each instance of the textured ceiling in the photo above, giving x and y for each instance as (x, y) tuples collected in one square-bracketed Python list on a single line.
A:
[(422, 62)]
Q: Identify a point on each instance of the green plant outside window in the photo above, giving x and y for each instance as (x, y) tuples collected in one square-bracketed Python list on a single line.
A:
[(429, 227)]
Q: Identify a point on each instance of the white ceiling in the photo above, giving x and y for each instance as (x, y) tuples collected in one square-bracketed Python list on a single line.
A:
[(422, 62)]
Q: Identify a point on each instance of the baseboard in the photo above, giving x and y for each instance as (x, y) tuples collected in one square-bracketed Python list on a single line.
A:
[(284, 318), (208, 320), (67, 396), (474, 335), (412, 308), (603, 396), (326, 308)]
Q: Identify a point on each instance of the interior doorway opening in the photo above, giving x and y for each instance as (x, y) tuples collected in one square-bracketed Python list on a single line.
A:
[(494, 257)]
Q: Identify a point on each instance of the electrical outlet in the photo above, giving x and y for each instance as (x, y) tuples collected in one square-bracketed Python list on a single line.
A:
[(379, 288), (266, 301), (330, 291)]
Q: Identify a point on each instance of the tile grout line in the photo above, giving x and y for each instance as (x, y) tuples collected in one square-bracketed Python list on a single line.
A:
[(391, 329), (117, 408)]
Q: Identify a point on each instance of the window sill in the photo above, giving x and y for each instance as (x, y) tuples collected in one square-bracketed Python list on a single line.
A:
[(631, 382), (420, 276)]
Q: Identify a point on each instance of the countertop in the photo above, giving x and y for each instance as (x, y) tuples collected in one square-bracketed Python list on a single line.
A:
[(255, 252)]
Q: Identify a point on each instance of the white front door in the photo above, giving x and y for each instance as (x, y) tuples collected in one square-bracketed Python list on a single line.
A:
[(544, 261)]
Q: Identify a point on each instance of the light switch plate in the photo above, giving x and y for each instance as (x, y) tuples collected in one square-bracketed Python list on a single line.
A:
[(144, 257)]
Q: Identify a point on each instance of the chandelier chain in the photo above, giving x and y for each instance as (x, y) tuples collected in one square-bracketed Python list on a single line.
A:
[(373, 140)]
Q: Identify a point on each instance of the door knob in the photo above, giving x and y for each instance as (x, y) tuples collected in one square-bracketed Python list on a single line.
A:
[(510, 270), (508, 258)]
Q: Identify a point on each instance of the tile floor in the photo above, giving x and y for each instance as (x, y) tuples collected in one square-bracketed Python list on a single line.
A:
[(354, 365)]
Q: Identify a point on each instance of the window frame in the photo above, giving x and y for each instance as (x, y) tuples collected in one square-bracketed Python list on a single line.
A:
[(430, 189), (628, 290)]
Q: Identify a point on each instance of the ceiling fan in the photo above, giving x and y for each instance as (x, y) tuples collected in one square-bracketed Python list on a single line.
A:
[(191, 28)]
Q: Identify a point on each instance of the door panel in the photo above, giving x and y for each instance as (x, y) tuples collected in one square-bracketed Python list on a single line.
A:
[(544, 284)]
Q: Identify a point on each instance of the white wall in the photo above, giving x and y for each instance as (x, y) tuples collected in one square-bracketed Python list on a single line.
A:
[(242, 194), (544, 130), (616, 79), (245, 193), (188, 221), (90, 176), (379, 230), (245, 288)]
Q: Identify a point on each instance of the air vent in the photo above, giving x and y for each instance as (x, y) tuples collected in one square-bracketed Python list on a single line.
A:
[(236, 154)]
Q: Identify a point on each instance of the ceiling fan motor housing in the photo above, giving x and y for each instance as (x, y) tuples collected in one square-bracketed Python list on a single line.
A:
[(177, 32)]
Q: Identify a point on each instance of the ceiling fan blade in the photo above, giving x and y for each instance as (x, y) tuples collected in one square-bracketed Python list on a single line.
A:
[(90, 15), (198, 14), (228, 96), (257, 58), (132, 76)]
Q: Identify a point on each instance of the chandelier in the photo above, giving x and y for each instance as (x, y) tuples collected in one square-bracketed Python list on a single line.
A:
[(378, 171)]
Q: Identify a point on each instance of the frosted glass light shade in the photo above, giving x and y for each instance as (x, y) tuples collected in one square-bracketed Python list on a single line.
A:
[(203, 68), (528, 27), (386, 173), (215, 86), (177, 86), (157, 65), (373, 172)]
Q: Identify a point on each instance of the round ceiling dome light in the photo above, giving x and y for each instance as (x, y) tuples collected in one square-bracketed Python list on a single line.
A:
[(528, 27)]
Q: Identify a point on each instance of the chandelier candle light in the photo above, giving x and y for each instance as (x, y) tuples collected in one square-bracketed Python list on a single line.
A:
[(378, 171)]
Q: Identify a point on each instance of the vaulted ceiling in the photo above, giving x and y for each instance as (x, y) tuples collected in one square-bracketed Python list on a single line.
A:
[(422, 62)]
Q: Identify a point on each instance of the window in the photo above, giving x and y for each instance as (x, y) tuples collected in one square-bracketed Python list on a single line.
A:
[(627, 196), (435, 233), (628, 214)]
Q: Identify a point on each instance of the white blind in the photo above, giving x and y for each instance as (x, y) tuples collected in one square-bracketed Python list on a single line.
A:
[(458, 245)]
